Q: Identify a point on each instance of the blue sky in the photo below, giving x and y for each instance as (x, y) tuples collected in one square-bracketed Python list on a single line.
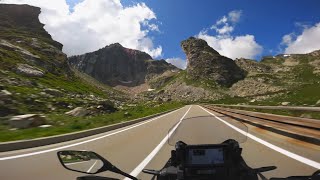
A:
[(235, 28), (267, 20)]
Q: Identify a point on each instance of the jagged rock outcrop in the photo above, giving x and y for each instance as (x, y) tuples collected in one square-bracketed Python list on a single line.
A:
[(117, 65), (206, 63), (22, 33), (22, 20), (34, 73)]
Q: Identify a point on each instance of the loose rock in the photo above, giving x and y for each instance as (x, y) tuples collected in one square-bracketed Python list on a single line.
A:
[(4, 94), (27, 121), (53, 92), (28, 70), (78, 112), (285, 103)]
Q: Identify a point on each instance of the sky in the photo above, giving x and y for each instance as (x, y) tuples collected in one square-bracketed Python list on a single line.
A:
[(236, 29)]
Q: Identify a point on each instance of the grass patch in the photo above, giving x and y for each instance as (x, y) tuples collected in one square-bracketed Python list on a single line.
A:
[(66, 124), (229, 100), (307, 94)]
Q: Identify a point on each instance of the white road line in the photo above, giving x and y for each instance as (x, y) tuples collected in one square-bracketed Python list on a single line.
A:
[(144, 163), (67, 164), (269, 145), (83, 142), (92, 166)]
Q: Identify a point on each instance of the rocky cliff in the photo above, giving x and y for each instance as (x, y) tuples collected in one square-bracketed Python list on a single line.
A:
[(203, 62), (116, 65), (34, 72), (21, 31)]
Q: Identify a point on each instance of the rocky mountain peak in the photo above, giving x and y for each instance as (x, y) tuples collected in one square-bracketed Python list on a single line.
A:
[(196, 44), (203, 62), (116, 65)]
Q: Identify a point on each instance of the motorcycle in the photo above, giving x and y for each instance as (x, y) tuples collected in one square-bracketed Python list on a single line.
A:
[(199, 153)]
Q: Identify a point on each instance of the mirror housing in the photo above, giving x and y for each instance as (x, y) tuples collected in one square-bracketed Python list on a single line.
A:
[(152, 172), (83, 161), (265, 169)]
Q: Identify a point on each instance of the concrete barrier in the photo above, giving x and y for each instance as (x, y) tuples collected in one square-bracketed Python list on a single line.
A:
[(23, 144)]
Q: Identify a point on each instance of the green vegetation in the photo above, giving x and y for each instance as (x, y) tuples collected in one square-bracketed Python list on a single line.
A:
[(229, 100), (203, 83), (62, 123)]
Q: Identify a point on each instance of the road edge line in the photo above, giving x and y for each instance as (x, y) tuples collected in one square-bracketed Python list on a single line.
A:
[(83, 142), (43, 141), (287, 153)]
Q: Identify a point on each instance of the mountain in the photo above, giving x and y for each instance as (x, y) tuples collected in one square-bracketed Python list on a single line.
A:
[(206, 63), (34, 73), (291, 78), (210, 77), (37, 77), (116, 65)]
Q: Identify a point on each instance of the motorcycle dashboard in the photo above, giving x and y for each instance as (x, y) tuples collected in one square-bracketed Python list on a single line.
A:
[(205, 156)]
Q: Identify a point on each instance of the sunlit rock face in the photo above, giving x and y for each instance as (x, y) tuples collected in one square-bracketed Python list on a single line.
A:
[(117, 65), (206, 63)]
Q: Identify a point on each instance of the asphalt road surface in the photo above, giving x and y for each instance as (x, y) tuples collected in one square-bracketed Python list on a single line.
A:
[(90, 166), (145, 145)]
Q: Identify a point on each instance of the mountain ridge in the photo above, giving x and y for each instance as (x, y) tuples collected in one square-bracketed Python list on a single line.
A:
[(116, 65)]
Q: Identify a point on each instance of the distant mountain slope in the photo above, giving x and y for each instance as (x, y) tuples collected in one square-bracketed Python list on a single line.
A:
[(116, 65), (296, 78)]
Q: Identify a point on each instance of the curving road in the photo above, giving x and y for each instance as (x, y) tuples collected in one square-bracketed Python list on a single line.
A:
[(144, 145)]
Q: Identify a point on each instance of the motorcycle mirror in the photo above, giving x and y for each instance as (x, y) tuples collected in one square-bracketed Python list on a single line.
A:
[(264, 169), (150, 171), (83, 161)]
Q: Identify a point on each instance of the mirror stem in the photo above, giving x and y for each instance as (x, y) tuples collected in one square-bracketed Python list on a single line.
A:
[(116, 170)]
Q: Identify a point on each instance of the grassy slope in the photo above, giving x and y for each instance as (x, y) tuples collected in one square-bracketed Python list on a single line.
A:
[(302, 84), (66, 124)]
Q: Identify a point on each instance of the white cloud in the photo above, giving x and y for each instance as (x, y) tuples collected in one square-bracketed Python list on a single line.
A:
[(233, 47), (222, 26), (226, 29), (94, 24), (287, 39), (178, 62), (223, 20), (306, 42), (234, 16)]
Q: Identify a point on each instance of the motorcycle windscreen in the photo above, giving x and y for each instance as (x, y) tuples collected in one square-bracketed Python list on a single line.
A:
[(207, 130)]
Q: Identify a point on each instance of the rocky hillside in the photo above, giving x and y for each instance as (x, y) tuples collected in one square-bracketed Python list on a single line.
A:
[(284, 79), (34, 73), (207, 64), (294, 78), (116, 65)]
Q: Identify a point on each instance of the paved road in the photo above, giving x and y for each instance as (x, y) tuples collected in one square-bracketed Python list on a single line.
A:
[(145, 145), (90, 166)]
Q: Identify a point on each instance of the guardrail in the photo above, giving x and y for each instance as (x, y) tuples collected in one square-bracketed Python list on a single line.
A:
[(293, 108), (304, 129), (23, 144)]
